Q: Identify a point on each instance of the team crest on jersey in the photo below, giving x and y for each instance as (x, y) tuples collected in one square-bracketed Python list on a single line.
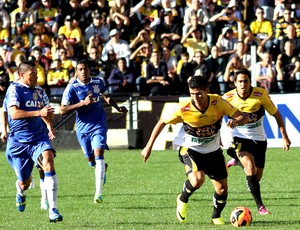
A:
[(35, 96), (214, 102), (96, 88), (257, 94), (186, 108)]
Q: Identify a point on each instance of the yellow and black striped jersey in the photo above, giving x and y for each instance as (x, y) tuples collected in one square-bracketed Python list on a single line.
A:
[(201, 129), (254, 106)]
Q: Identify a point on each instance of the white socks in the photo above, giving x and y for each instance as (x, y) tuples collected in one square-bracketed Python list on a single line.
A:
[(99, 175)]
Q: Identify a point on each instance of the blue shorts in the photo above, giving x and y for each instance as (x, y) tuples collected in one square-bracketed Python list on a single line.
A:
[(92, 140), (22, 157)]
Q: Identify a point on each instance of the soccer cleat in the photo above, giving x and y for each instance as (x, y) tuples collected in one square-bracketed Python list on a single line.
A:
[(231, 162), (44, 205), (98, 199), (54, 216), (181, 211), (20, 202), (218, 221), (263, 211)]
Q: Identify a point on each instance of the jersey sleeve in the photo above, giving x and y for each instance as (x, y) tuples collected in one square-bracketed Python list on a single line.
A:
[(268, 104), (66, 98), (227, 108)]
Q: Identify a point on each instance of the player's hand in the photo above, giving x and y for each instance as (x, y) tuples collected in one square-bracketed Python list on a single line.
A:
[(88, 100), (232, 123), (4, 136), (47, 111), (145, 154), (122, 109), (286, 144)]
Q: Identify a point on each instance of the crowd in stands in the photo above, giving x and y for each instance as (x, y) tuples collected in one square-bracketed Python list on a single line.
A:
[(152, 46)]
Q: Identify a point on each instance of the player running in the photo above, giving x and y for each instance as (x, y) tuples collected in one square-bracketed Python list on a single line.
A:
[(249, 144), (84, 95), (28, 143), (199, 141)]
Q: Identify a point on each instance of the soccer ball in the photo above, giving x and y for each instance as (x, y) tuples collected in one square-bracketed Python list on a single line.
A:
[(241, 216)]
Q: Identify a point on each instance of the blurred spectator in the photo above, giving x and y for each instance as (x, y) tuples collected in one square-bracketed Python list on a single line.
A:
[(157, 79), (262, 29), (22, 16), (213, 9), (39, 29), (268, 7), (94, 41), (38, 42), (283, 22), (24, 35), (16, 49), (41, 74), (95, 63), (227, 42), (142, 37), (200, 11), (74, 36), (288, 69), (174, 6), (194, 43), (226, 19), (57, 78), (250, 39), (49, 16), (144, 10), (184, 69), (12, 70), (139, 60), (4, 34), (232, 66), (109, 64), (73, 8), (121, 78), (171, 62), (40, 58), (242, 55), (5, 18), (97, 28), (201, 66), (280, 7), (167, 28), (97, 6), (122, 24), (120, 47), (66, 63), (290, 36), (265, 73), (217, 65), (60, 42), (4, 78)]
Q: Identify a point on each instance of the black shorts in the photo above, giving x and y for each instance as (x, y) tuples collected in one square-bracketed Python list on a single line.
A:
[(212, 164), (256, 148)]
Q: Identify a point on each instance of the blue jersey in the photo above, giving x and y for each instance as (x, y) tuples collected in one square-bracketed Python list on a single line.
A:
[(28, 99), (91, 117)]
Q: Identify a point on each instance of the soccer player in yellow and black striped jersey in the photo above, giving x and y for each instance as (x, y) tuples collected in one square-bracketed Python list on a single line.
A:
[(199, 141), (249, 144)]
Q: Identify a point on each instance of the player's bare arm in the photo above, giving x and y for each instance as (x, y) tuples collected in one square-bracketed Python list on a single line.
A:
[(17, 113), (155, 132), (109, 100), (4, 122), (280, 123), (239, 119)]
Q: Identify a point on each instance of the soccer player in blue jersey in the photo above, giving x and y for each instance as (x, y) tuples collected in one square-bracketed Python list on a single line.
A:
[(84, 95), (31, 130)]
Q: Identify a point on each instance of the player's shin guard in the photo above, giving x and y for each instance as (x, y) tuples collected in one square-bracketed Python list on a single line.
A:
[(43, 189), (187, 191), (51, 185), (99, 174), (254, 188), (219, 204)]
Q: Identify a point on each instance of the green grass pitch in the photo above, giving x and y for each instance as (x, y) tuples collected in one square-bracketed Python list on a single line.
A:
[(143, 196)]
